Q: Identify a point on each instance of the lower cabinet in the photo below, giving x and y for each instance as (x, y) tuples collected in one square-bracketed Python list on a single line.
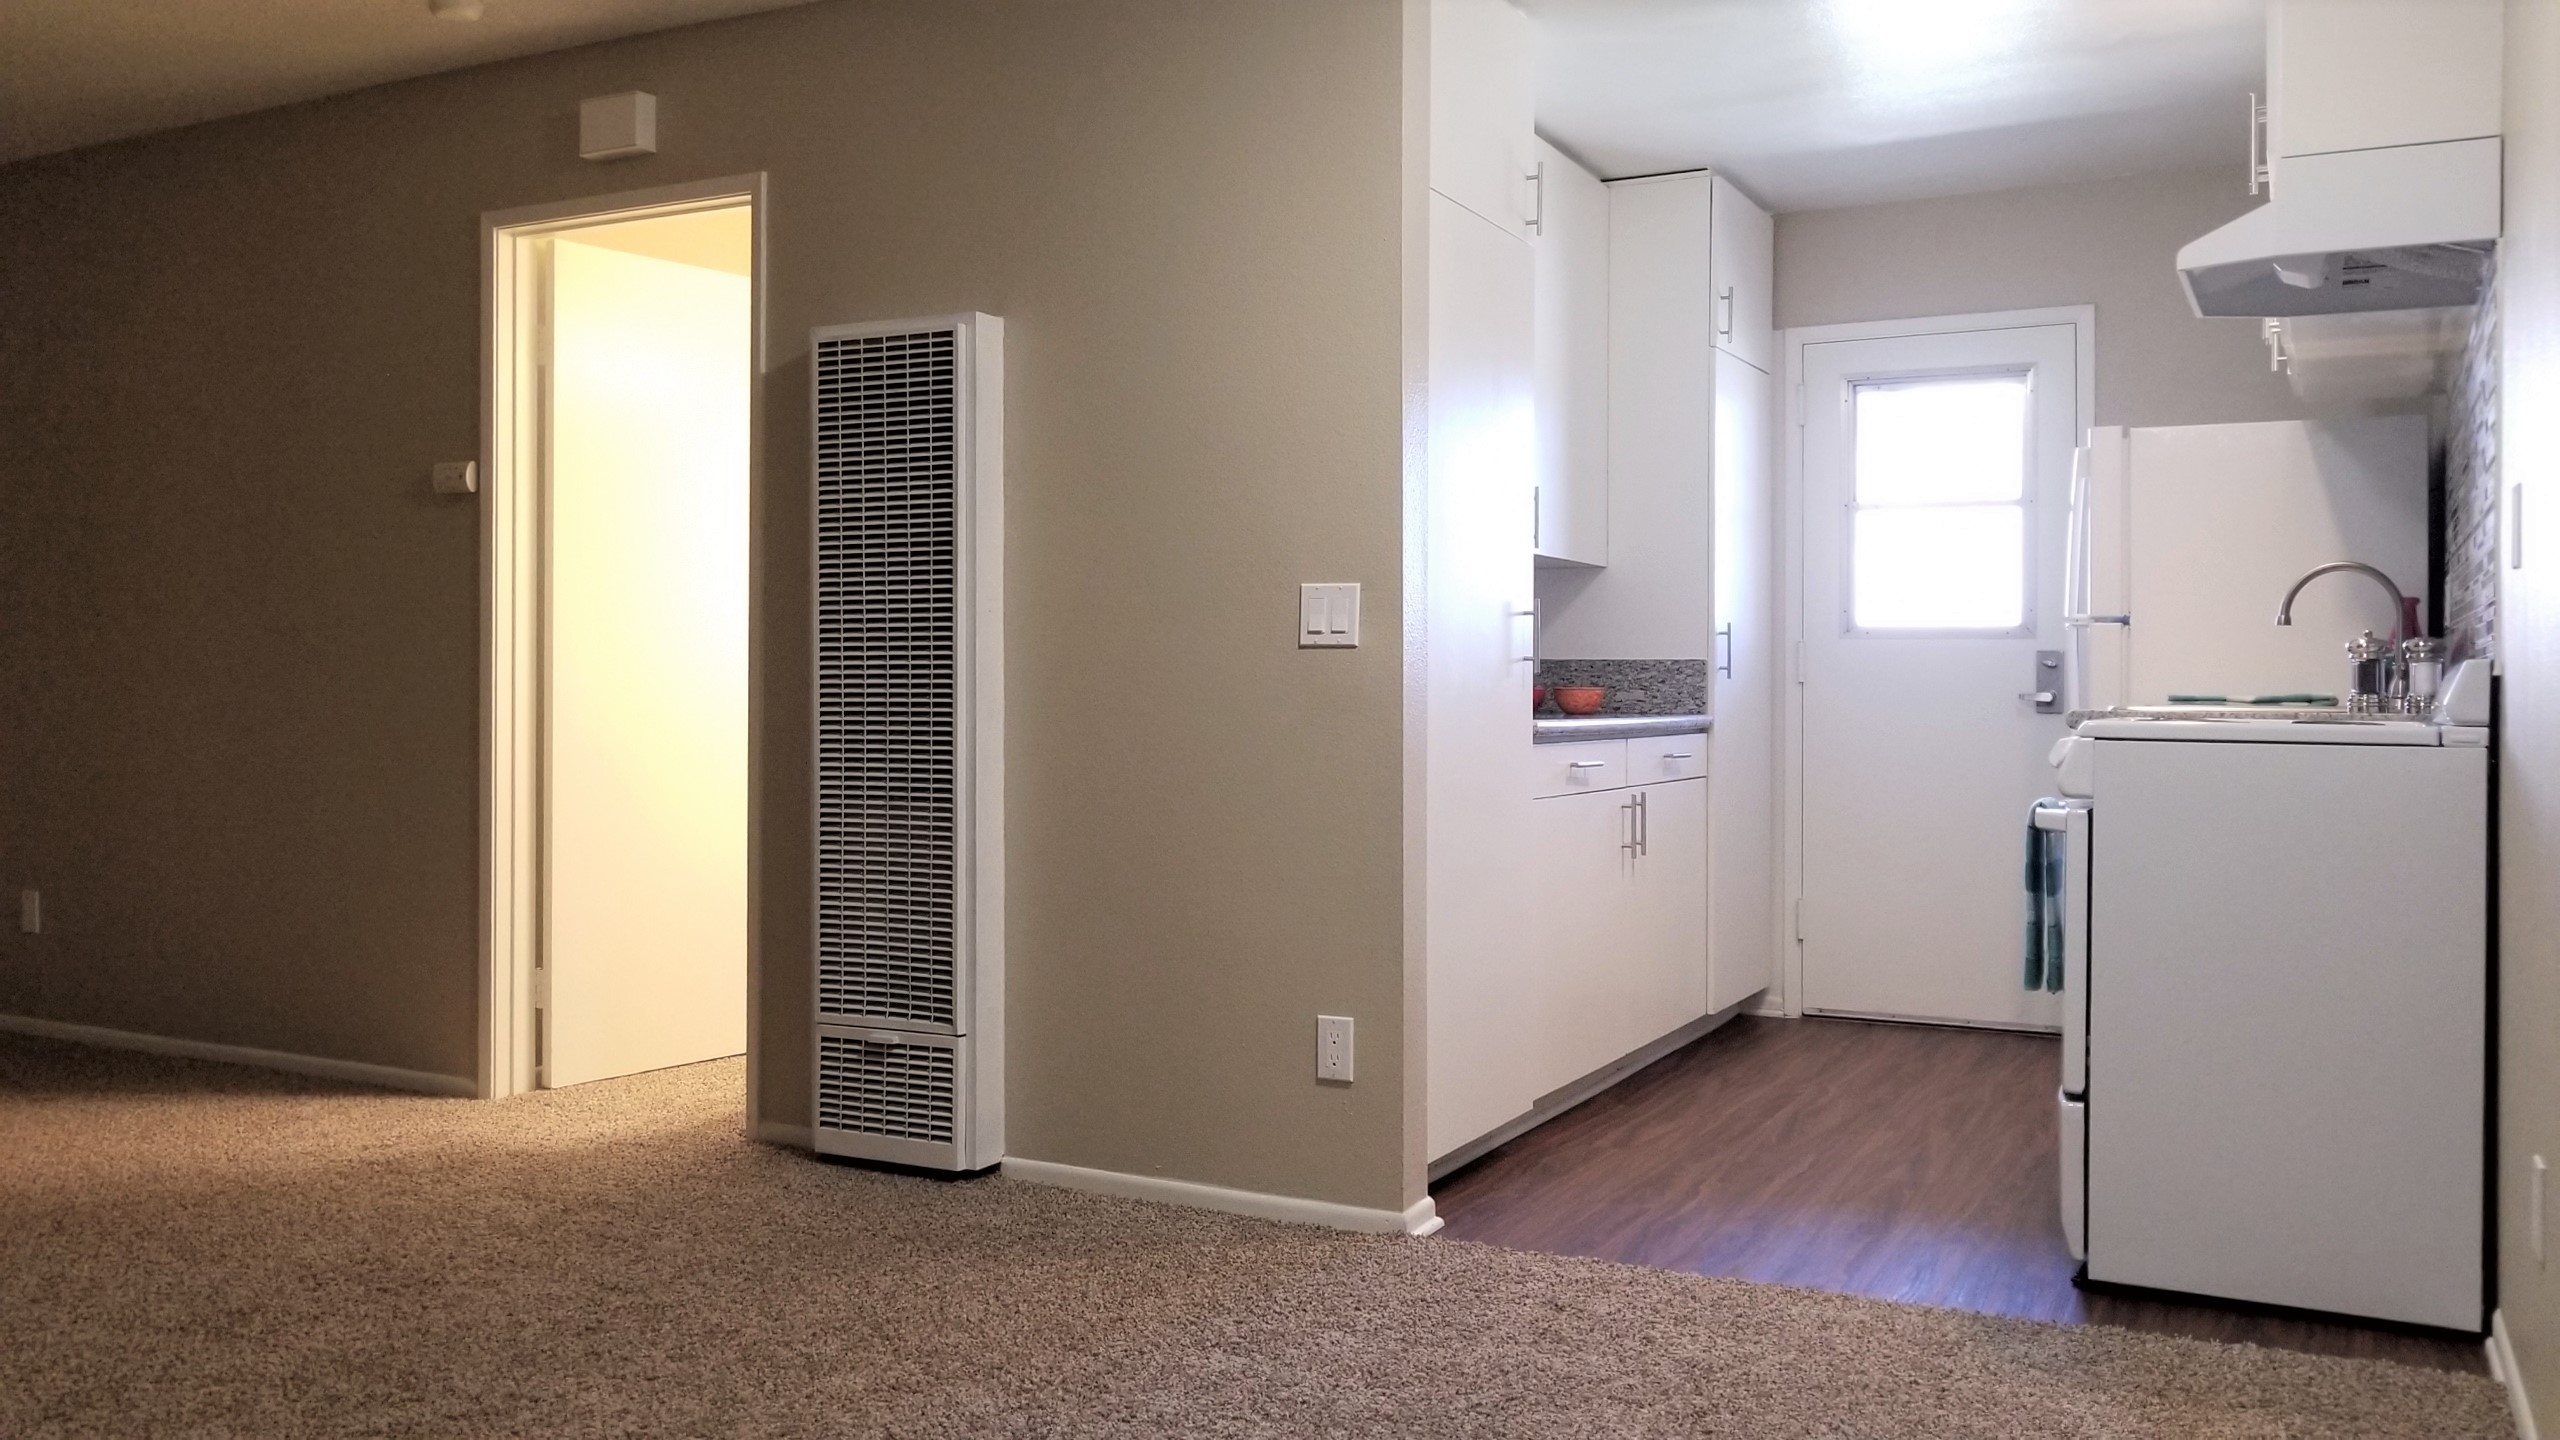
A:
[(1620, 942)]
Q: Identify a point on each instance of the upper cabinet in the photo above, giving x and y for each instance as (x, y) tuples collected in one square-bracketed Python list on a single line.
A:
[(1482, 91), (1570, 241), (2365, 74), (1742, 256)]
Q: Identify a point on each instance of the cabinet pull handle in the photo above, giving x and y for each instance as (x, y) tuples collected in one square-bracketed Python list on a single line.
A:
[(1629, 810), (2261, 176), (1644, 824), (1724, 328), (1725, 637), (1537, 217), (1587, 765), (1681, 755)]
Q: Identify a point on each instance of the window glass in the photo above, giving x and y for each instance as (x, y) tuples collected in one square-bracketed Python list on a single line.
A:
[(1938, 526)]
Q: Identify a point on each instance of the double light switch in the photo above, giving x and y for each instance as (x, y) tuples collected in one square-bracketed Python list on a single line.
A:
[(1328, 616)]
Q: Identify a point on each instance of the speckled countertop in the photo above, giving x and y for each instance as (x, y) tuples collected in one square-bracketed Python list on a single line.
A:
[(1553, 729), (1646, 697)]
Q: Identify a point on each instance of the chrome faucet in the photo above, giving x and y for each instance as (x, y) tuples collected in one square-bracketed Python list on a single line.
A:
[(2374, 668)]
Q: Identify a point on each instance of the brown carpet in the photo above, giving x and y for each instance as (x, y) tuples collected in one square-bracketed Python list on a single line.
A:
[(190, 1249)]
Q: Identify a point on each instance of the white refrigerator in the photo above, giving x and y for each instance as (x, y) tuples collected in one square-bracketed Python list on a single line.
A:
[(2183, 539)]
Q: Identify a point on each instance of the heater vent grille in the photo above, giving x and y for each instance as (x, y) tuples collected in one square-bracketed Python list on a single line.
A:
[(904, 1091), (889, 655)]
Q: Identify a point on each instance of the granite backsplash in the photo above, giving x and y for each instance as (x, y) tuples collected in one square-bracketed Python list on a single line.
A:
[(1636, 687)]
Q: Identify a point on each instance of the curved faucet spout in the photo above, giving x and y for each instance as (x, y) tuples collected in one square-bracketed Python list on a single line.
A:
[(2399, 602)]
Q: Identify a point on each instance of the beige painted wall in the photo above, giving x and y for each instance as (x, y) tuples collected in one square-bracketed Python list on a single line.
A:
[(2529, 657), (240, 753), (2108, 243)]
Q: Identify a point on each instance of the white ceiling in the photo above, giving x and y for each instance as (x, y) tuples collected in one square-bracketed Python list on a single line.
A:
[(1810, 104), (1807, 103), (78, 72)]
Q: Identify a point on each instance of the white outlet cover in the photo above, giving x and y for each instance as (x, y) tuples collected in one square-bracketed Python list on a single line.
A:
[(1333, 1047)]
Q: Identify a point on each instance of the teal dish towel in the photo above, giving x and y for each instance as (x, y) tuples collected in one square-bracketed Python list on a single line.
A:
[(2044, 877)]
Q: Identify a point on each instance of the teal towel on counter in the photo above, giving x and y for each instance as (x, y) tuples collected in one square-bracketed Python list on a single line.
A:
[(2044, 877)]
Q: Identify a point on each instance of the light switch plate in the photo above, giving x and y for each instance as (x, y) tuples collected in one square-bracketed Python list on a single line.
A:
[(1328, 617)]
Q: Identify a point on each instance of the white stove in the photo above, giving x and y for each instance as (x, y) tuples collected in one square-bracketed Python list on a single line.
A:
[(2276, 1008)]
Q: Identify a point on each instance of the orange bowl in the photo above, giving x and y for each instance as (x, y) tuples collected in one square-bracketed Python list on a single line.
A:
[(1580, 699), (1537, 696)]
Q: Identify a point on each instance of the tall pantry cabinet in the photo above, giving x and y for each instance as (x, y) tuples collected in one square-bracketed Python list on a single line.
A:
[(1476, 517)]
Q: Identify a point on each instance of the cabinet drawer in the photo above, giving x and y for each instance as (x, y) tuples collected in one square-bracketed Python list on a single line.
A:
[(1654, 758), (1581, 765)]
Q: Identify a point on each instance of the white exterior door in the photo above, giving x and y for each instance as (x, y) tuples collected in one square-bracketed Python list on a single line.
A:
[(645, 746), (1936, 472)]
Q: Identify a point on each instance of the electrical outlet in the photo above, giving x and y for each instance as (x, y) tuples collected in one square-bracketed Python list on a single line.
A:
[(30, 912), (1333, 1048), (2533, 1208)]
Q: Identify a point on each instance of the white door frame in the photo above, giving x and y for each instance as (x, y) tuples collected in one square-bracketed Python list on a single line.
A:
[(511, 662), (1791, 522)]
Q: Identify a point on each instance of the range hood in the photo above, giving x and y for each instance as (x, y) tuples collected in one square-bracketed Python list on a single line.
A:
[(2395, 228)]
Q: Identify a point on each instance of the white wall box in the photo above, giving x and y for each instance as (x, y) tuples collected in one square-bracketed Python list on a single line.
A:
[(909, 527), (1572, 252), (614, 127)]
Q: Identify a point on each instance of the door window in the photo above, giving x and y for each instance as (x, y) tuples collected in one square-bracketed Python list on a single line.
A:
[(1938, 515)]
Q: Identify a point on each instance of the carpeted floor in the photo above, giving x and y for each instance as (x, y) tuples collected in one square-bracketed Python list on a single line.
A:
[(189, 1249)]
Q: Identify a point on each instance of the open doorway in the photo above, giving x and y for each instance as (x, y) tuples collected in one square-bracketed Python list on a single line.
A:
[(623, 360)]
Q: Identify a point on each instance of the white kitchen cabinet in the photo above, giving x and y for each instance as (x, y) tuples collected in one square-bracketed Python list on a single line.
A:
[(1742, 686), (1571, 247), (1482, 105), (1621, 934), (1476, 721), (2366, 74), (1742, 258)]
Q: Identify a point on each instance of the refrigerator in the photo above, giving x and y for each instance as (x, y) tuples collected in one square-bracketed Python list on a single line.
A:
[(2183, 539)]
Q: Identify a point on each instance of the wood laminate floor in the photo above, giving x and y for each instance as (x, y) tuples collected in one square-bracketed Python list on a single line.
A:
[(1898, 1161)]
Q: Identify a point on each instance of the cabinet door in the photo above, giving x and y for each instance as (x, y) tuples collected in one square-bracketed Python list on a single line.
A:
[(1742, 816), (2363, 74), (1664, 983), (1743, 259), (1476, 726), (1622, 932), (1572, 252), (1482, 90), (1587, 933)]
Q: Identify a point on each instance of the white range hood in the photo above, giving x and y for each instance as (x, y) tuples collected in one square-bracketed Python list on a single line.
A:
[(2395, 228)]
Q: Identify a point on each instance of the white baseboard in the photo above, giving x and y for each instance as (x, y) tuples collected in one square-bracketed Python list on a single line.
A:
[(774, 1132), (2502, 1364), (1419, 1219), (389, 1077)]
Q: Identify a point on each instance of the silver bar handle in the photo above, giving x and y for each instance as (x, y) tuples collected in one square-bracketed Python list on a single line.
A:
[(1725, 638), (2257, 129), (1586, 764), (2083, 622), (1629, 810), (1724, 328), (1644, 825)]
